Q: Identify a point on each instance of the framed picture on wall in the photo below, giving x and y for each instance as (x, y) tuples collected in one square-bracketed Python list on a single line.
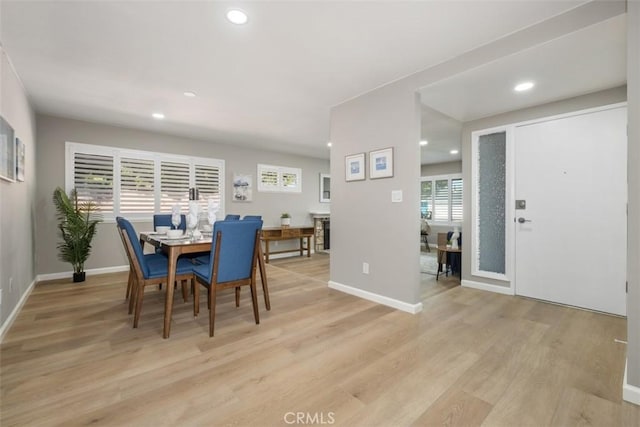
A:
[(19, 160), (7, 151), (354, 167), (381, 163)]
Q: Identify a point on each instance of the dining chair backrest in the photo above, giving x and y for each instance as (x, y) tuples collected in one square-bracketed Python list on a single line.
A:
[(231, 217), (237, 248), (252, 218), (135, 245), (164, 220)]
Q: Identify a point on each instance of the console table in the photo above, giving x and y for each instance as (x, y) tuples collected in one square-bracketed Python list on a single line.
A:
[(287, 233)]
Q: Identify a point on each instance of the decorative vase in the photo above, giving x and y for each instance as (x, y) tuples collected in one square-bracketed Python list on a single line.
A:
[(285, 222), (78, 277)]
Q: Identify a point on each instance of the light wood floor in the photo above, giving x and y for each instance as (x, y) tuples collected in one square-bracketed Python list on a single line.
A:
[(470, 358)]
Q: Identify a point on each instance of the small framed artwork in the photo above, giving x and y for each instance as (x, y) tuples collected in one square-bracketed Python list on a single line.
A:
[(354, 167), (242, 188), (381, 163), (19, 160), (7, 151)]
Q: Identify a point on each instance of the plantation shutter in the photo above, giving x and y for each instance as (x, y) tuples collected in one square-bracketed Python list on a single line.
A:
[(136, 186), (441, 200), (93, 179), (426, 195), (456, 200), (174, 186), (208, 184)]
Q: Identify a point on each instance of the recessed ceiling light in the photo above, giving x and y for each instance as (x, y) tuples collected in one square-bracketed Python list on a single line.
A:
[(521, 87), (190, 94), (237, 16), (424, 142), (329, 144), (158, 116), (453, 151)]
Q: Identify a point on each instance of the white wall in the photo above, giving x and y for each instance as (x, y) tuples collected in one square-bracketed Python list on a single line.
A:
[(633, 170), (107, 251), (365, 225), (17, 207)]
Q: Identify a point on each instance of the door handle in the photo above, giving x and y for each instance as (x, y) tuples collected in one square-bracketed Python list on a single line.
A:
[(522, 220)]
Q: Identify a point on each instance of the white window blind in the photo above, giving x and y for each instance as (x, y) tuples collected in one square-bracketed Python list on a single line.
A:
[(441, 201), (174, 185), (137, 190), (93, 179), (456, 200), (207, 181), (138, 184), (441, 198)]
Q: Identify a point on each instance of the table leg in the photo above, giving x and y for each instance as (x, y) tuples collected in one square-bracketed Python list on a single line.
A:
[(266, 251), (308, 246), (301, 247), (171, 278)]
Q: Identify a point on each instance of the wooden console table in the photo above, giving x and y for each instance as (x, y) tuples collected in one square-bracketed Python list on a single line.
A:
[(287, 233)]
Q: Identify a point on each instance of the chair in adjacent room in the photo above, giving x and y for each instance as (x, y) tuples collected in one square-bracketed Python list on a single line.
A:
[(425, 230), (232, 264), (231, 217), (148, 270)]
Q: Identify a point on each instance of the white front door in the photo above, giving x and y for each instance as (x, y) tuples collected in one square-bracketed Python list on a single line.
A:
[(572, 174)]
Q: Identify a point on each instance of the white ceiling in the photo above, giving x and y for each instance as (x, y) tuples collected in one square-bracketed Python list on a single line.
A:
[(270, 83), (581, 62)]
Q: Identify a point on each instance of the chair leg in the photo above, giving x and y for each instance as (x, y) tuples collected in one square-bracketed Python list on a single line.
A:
[(254, 300), (237, 296), (263, 279), (134, 294), (129, 284), (212, 308), (185, 291), (139, 298), (196, 297)]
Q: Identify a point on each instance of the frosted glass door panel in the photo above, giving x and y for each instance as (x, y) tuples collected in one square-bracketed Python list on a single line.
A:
[(491, 202)]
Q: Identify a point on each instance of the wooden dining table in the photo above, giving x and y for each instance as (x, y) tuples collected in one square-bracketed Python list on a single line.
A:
[(173, 248)]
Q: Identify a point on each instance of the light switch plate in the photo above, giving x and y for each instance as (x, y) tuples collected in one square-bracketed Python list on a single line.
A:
[(396, 196)]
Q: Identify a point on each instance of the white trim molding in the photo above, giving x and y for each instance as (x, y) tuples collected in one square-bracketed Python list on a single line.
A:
[(505, 290), (380, 299), (630, 393), (16, 310), (68, 274)]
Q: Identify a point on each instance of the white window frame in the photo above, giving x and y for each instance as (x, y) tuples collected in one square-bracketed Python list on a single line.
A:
[(71, 148), (280, 171), (433, 179)]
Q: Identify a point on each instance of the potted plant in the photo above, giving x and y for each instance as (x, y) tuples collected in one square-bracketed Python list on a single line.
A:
[(285, 219), (77, 222)]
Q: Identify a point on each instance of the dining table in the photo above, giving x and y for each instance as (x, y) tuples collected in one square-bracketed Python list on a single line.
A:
[(174, 248)]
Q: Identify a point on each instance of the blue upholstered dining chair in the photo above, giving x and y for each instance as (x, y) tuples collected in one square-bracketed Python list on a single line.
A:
[(149, 270), (165, 220), (252, 218), (231, 217), (232, 264)]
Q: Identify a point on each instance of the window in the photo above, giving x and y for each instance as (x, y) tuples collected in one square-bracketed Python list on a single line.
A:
[(441, 198), (137, 184), (279, 179)]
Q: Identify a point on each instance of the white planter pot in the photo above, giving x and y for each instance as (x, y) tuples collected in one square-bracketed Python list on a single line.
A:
[(285, 221)]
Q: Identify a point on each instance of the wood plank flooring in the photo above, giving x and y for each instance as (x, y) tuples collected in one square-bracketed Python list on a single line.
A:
[(318, 357)]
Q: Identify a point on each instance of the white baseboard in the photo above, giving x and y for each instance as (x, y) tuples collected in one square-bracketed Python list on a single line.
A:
[(380, 299), (68, 274), (630, 393), (7, 323), (488, 287)]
